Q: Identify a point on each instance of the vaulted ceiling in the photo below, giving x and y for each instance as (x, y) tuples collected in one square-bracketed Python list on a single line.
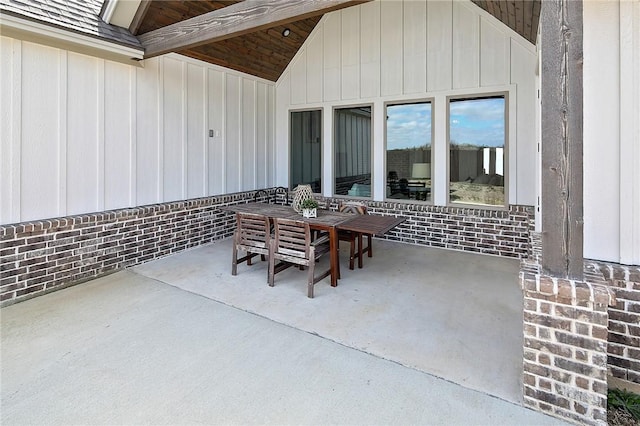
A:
[(522, 16), (264, 51)]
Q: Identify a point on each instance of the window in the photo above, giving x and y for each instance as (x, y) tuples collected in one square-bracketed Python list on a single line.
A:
[(477, 150), (306, 149), (409, 151), (352, 127)]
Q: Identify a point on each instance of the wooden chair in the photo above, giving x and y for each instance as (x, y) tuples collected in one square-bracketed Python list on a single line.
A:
[(262, 195), (355, 238), (281, 196), (291, 245), (252, 236)]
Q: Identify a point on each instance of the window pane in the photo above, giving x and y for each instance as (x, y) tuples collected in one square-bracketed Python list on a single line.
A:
[(352, 128), (476, 151), (409, 151), (306, 149)]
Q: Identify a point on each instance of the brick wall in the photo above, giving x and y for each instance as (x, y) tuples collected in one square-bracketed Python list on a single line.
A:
[(40, 256), (565, 342), (624, 320), (497, 232)]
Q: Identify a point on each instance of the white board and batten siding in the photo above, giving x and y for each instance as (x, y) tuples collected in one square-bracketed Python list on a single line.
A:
[(394, 51), (611, 78), (81, 134)]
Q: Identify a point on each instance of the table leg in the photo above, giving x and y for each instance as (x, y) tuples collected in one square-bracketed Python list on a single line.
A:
[(360, 250), (335, 261)]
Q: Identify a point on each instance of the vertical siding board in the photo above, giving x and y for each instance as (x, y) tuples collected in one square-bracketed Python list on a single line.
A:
[(216, 164), (281, 143), (350, 53), (391, 30), (184, 127), (100, 117), (370, 50), (249, 143), (314, 66), (40, 131), (233, 133), (415, 47), (439, 45), (133, 140), (83, 154), (299, 79), (331, 42), (159, 178), (271, 135), (117, 136), (465, 47), (261, 135), (147, 132), (173, 130), (629, 133), (62, 132), (523, 170), (602, 126), (196, 132), (10, 128)]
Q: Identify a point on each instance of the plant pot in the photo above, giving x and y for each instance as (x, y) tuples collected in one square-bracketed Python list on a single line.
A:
[(309, 212)]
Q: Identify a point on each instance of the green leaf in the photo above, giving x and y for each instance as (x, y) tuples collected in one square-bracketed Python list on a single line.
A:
[(625, 400)]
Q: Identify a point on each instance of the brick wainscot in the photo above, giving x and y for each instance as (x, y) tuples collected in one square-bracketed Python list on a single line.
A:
[(44, 255)]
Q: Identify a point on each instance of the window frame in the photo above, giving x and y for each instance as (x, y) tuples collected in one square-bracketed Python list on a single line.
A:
[(334, 163), (507, 141), (432, 101), (290, 145)]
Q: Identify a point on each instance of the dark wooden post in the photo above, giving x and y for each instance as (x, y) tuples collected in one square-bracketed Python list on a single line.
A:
[(562, 208)]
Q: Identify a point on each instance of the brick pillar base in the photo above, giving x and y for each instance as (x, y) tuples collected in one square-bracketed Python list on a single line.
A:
[(565, 345)]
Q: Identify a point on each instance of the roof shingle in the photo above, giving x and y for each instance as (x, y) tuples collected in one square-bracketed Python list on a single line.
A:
[(76, 15)]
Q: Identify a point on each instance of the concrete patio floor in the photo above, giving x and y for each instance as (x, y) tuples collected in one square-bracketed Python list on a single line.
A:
[(418, 336)]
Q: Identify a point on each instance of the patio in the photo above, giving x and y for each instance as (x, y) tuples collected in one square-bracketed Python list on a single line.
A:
[(128, 348)]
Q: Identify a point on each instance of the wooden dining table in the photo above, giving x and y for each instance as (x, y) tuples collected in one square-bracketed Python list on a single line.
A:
[(326, 220), (367, 224)]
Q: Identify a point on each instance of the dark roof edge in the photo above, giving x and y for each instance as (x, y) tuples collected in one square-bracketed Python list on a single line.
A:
[(136, 46)]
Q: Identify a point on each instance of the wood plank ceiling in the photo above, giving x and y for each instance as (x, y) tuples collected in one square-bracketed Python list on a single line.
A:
[(267, 52), (522, 16)]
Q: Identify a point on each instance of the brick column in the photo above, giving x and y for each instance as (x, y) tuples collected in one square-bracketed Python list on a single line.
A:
[(565, 345)]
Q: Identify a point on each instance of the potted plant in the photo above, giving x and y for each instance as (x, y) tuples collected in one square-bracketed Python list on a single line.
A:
[(309, 207)]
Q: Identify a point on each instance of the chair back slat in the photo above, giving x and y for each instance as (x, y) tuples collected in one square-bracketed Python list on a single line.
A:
[(292, 238), (253, 230)]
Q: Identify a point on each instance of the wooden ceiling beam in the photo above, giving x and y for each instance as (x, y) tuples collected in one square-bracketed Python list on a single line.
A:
[(238, 19), (139, 16)]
